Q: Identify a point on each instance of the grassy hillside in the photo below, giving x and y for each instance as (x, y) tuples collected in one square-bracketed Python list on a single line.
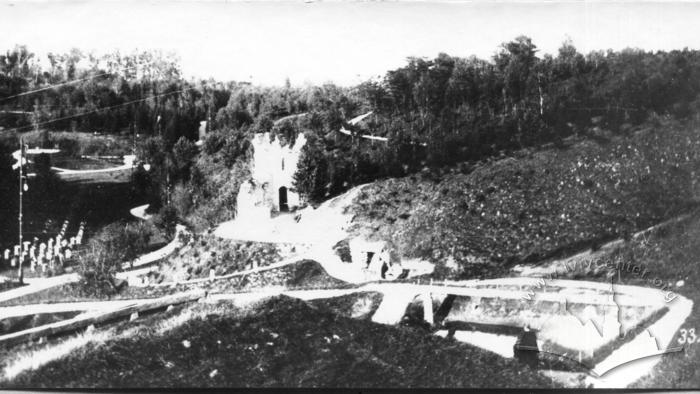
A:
[(672, 258), (670, 255), (282, 342), (356, 305), (477, 220), (207, 252), (305, 274)]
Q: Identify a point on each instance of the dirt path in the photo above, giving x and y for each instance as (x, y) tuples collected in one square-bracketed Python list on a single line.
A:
[(23, 310), (397, 296), (140, 212), (35, 285)]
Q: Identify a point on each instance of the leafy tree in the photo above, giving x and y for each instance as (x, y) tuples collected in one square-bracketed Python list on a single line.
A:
[(312, 175), (213, 142), (236, 146), (184, 153)]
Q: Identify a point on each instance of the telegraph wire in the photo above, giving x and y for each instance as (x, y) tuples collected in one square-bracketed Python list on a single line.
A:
[(62, 84), (101, 109)]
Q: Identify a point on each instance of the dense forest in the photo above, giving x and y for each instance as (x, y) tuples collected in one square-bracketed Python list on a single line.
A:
[(434, 112)]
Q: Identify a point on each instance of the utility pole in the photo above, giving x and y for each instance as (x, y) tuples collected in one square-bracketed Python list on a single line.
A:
[(207, 128), (133, 132), (20, 272), (168, 164)]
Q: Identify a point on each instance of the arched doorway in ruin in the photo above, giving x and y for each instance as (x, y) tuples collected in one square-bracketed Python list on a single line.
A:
[(284, 207)]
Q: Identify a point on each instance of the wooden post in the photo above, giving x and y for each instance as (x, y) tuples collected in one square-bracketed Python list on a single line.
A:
[(428, 308), (20, 272)]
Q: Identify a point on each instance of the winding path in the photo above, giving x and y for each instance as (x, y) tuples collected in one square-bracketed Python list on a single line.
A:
[(397, 297), (35, 285)]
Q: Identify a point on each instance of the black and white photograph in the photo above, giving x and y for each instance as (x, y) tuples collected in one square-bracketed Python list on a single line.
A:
[(349, 194)]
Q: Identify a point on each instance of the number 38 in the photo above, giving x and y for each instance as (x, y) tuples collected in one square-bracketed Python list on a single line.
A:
[(687, 336)]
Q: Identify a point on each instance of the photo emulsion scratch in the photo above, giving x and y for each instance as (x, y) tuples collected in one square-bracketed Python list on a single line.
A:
[(325, 194)]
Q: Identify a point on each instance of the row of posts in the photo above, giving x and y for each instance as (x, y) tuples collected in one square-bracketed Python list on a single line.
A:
[(45, 256)]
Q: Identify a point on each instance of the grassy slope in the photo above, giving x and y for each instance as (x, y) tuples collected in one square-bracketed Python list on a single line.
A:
[(357, 305), (672, 255), (534, 205), (306, 274), (283, 342), (223, 256)]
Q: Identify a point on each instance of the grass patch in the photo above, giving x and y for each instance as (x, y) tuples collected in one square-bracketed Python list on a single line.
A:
[(283, 342), (73, 292), (10, 284), (306, 274), (357, 305), (671, 256), (208, 252), (21, 323)]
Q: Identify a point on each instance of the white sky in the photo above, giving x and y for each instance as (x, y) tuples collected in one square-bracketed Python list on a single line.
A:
[(343, 42)]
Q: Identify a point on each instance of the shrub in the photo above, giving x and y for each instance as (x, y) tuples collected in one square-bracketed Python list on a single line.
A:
[(166, 220), (105, 253), (342, 250)]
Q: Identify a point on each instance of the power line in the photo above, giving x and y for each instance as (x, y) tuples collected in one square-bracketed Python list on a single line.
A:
[(101, 109), (60, 84)]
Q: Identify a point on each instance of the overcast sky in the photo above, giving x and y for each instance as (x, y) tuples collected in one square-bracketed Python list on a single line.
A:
[(343, 42)]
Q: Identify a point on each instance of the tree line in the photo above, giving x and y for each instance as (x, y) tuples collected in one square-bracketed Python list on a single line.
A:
[(438, 112), (433, 112)]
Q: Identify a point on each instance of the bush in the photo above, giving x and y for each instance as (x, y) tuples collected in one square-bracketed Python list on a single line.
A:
[(105, 253), (166, 220), (342, 250)]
